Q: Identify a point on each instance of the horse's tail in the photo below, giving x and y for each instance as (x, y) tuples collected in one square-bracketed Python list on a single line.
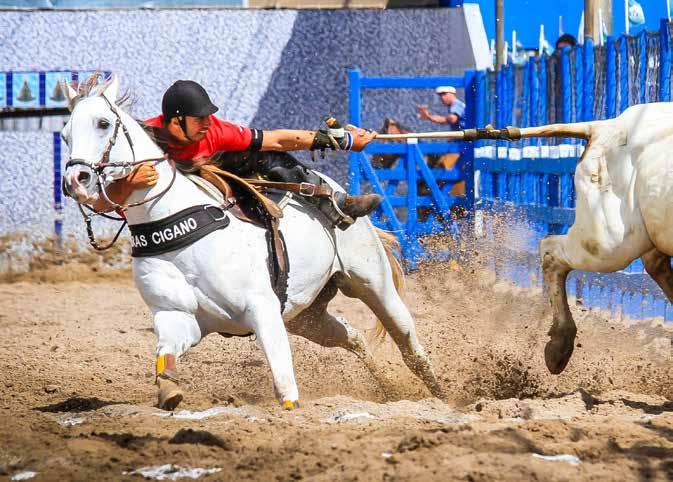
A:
[(391, 245)]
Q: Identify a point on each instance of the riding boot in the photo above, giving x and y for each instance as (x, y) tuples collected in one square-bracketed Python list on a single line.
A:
[(342, 209), (170, 394), (356, 206)]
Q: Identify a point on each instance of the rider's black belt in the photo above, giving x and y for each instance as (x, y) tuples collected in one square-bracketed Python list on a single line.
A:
[(176, 231)]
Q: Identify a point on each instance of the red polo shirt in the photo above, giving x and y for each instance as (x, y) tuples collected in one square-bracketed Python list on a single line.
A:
[(220, 136)]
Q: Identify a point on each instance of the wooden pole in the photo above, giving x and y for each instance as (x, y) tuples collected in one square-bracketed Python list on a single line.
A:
[(592, 26), (499, 33)]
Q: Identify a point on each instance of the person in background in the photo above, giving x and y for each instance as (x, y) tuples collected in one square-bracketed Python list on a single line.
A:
[(456, 121), (455, 118), (565, 40)]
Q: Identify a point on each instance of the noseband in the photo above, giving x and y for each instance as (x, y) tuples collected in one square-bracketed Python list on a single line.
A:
[(99, 169)]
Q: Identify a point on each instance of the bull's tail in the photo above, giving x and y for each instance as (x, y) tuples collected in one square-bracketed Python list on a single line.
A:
[(391, 245)]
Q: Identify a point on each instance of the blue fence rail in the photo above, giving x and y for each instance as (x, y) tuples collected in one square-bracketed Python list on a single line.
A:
[(399, 184)]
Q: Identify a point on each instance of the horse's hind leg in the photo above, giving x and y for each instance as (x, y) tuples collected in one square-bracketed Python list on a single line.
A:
[(378, 292), (315, 323), (658, 266), (319, 326)]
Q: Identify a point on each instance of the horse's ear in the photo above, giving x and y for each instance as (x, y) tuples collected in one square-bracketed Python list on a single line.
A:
[(111, 90), (70, 94)]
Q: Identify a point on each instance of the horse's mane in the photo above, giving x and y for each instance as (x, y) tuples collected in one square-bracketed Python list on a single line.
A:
[(93, 87)]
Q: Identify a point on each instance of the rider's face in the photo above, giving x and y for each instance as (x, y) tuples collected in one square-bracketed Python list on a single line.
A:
[(196, 129)]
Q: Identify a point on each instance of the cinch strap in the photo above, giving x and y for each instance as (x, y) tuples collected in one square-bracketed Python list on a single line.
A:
[(176, 231)]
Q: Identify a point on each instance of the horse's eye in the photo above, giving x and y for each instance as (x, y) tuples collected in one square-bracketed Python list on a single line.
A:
[(103, 124)]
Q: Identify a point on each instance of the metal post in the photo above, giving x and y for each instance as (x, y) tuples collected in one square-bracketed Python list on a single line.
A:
[(665, 63), (354, 118), (499, 33), (474, 110), (58, 201)]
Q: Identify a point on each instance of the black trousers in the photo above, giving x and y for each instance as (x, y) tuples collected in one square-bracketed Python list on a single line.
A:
[(273, 165)]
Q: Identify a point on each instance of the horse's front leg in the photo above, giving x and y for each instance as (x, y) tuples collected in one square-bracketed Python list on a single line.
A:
[(176, 332), (264, 317)]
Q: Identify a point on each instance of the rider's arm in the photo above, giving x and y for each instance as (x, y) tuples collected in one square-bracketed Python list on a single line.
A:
[(298, 140), (141, 177), (287, 140)]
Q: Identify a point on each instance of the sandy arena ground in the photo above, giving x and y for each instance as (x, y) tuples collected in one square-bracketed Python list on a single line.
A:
[(76, 373)]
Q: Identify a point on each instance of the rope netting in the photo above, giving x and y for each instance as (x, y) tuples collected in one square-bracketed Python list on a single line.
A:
[(580, 84)]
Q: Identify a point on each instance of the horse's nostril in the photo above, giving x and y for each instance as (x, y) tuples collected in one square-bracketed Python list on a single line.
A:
[(83, 177)]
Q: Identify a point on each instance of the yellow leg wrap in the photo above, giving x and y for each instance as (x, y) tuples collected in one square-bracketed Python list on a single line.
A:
[(290, 405), (161, 364)]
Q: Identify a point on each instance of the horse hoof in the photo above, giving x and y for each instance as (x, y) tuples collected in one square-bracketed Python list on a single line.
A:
[(290, 405), (170, 397), (557, 353)]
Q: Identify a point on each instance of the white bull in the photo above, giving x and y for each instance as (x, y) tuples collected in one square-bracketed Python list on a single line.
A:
[(624, 209)]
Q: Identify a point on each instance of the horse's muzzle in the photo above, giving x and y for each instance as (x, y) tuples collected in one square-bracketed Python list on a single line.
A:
[(78, 180)]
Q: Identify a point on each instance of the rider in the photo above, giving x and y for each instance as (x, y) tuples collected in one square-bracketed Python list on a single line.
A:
[(192, 136)]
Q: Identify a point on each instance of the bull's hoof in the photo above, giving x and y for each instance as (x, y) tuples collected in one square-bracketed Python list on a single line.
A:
[(290, 405), (170, 395), (557, 354)]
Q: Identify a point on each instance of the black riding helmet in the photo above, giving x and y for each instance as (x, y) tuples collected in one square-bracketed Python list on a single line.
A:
[(186, 97)]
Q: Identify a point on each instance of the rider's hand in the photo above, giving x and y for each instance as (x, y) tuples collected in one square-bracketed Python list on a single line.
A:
[(143, 176), (423, 110), (361, 137)]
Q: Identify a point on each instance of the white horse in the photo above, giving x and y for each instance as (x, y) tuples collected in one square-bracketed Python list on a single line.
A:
[(221, 283), (623, 209)]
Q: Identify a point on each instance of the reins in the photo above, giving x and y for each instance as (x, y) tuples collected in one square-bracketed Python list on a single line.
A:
[(99, 170)]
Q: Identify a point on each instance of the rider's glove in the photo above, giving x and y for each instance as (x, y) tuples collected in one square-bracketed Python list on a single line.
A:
[(333, 137)]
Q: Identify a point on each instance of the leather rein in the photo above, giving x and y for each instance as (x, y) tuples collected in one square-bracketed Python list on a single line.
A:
[(99, 170)]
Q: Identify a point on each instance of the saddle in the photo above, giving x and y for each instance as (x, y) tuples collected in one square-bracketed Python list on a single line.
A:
[(247, 203)]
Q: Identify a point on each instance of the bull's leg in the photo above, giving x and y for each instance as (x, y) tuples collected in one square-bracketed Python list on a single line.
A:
[(658, 266), (176, 332), (563, 330), (263, 316)]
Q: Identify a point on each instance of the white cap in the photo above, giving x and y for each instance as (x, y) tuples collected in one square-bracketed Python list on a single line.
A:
[(445, 89)]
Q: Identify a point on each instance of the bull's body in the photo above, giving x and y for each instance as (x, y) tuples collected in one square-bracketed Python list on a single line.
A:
[(624, 187), (624, 209)]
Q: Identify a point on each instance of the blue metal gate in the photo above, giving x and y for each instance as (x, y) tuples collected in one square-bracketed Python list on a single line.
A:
[(399, 211)]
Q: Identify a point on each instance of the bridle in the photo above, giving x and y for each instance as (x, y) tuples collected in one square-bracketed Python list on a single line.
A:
[(99, 170)]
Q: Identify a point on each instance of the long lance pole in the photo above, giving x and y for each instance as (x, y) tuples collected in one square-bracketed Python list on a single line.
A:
[(579, 130)]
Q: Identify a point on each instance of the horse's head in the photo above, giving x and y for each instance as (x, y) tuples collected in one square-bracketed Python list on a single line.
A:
[(98, 137)]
